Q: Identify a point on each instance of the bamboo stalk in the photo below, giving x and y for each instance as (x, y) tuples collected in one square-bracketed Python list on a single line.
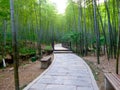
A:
[(14, 45), (118, 45)]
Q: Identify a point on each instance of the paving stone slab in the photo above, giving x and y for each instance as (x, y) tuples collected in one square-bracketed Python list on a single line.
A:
[(67, 72), (77, 83), (85, 88), (38, 86), (60, 87)]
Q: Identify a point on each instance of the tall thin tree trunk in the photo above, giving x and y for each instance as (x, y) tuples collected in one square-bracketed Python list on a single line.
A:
[(14, 45), (103, 29), (114, 28), (80, 26), (96, 31), (37, 31), (85, 31), (109, 29), (118, 46), (40, 32), (4, 42)]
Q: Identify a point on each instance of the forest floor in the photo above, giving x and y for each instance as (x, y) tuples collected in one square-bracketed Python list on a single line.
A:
[(99, 69), (28, 71)]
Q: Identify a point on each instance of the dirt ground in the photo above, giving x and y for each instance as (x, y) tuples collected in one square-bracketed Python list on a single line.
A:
[(27, 72), (99, 69)]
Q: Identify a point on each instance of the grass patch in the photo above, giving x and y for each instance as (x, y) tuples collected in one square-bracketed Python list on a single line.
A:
[(27, 50), (48, 48)]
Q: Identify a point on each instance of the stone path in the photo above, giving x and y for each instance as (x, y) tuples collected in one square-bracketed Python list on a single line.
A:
[(60, 49), (67, 72)]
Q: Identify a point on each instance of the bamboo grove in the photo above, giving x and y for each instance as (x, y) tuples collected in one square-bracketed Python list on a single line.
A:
[(87, 24), (91, 23)]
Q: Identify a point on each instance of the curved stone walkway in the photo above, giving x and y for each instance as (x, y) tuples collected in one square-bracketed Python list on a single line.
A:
[(67, 72)]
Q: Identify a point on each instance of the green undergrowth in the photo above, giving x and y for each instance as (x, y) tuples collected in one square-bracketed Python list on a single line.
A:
[(27, 51), (0, 58), (48, 47)]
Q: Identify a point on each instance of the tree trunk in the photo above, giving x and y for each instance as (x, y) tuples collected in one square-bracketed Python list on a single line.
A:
[(109, 30), (103, 30), (4, 40), (96, 31), (14, 45), (118, 46)]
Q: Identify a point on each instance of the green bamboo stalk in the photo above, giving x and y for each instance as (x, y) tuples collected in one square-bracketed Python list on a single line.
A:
[(14, 45), (96, 31), (118, 45)]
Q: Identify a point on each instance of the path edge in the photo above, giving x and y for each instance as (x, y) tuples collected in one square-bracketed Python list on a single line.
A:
[(39, 77)]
